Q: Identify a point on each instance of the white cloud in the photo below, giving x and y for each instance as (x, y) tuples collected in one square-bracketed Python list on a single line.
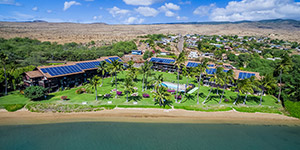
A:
[(169, 14), (255, 10), (34, 8), (204, 10), (9, 2), (142, 2), (134, 20), (147, 11), (115, 11), (67, 5), (185, 3), (97, 17), (182, 18), (49, 11), (172, 6)]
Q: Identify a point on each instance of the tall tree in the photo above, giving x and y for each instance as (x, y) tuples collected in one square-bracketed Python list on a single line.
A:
[(115, 67), (157, 81), (102, 69), (201, 69), (179, 62), (4, 61), (133, 72), (267, 83), (93, 82), (284, 66), (162, 96), (243, 86), (216, 79), (128, 85), (228, 78), (189, 73), (145, 70)]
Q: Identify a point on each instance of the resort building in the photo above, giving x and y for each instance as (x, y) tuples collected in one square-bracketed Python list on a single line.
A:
[(68, 75)]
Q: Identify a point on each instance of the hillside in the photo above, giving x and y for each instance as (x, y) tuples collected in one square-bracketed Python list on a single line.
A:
[(105, 34)]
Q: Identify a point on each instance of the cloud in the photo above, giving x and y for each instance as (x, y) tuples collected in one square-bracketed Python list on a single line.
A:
[(9, 2), (182, 18), (115, 11), (204, 10), (134, 20), (49, 11), (255, 10), (169, 14), (185, 2), (142, 2), (97, 17), (67, 5), (172, 6), (147, 11), (34, 8)]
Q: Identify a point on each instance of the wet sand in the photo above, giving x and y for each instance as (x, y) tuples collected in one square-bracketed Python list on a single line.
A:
[(143, 115)]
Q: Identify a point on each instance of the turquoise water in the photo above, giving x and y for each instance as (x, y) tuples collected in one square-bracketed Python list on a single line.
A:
[(170, 86), (148, 136)]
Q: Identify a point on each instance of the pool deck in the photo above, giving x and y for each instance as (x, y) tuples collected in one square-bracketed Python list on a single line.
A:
[(174, 86)]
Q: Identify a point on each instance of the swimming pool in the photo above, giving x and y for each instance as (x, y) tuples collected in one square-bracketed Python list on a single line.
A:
[(172, 86)]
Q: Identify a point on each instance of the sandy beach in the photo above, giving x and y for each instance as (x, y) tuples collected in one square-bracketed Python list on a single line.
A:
[(23, 116)]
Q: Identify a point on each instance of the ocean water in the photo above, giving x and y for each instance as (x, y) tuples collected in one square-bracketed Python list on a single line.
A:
[(148, 136)]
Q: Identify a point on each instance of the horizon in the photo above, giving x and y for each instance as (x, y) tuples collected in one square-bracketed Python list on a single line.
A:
[(147, 11)]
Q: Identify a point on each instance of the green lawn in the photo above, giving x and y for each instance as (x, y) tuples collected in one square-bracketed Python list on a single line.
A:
[(189, 103)]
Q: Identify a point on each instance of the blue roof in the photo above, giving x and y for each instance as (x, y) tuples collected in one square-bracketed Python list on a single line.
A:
[(88, 65), (245, 75), (61, 70), (192, 64), (162, 60)]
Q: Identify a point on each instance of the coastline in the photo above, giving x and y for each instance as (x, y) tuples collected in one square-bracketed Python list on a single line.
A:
[(147, 115)]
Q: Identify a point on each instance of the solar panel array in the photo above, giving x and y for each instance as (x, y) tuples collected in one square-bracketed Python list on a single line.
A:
[(245, 75), (114, 58), (88, 65), (107, 60), (161, 60), (210, 65), (211, 71), (192, 64), (61, 70)]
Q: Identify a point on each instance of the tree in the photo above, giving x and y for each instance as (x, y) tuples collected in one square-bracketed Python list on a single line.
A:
[(157, 81), (179, 61), (266, 83), (216, 79), (128, 85), (284, 65), (35, 92), (114, 68), (93, 82), (102, 69), (201, 68), (162, 96), (133, 72), (189, 73), (243, 86), (4, 60), (145, 70), (228, 77)]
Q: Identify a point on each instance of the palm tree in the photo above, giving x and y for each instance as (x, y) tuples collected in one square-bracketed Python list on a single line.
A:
[(179, 61), (201, 68), (3, 60), (148, 73), (228, 77), (189, 73), (114, 68), (93, 82), (157, 81), (145, 70), (216, 79), (283, 66), (266, 83), (243, 86), (128, 85), (102, 69), (133, 72), (219, 78), (162, 96)]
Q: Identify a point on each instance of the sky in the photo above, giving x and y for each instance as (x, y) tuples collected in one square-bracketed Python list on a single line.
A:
[(147, 11)]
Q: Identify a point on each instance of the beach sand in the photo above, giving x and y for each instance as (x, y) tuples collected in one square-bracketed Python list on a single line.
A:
[(147, 115)]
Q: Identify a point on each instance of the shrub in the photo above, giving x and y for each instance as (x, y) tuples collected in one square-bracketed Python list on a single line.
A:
[(13, 107), (35, 92), (119, 93), (178, 97), (67, 88), (145, 95), (64, 97), (293, 108)]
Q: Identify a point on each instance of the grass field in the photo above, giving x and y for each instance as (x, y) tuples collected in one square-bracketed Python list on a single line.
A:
[(189, 103)]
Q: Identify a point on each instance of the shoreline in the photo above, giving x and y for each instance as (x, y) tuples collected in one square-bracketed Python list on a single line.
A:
[(146, 115)]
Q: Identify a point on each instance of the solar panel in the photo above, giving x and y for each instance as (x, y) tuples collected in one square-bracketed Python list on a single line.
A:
[(61, 70), (107, 60), (192, 64), (210, 71), (88, 65), (114, 58), (210, 65), (161, 60), (245, 75)]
